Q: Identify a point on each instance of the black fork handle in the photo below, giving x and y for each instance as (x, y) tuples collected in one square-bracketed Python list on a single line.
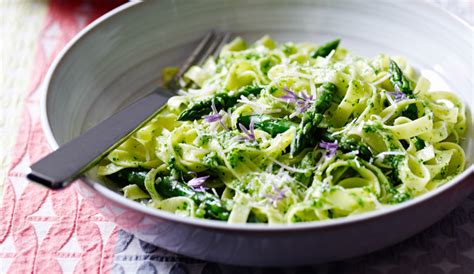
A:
[(59, 168)]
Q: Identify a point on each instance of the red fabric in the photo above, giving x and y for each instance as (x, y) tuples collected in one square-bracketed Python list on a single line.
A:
[(70, 216)]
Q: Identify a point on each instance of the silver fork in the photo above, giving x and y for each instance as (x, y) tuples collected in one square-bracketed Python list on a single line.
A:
[(59, 168)]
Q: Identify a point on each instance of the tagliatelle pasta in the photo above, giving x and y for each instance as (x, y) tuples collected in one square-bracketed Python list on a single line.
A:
[(294, 132)]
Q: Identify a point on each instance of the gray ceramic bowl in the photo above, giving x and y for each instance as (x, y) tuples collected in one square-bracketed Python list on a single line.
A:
[(118, 58)]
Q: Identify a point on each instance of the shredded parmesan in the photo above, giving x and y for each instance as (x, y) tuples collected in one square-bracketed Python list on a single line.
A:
[(289, 168)]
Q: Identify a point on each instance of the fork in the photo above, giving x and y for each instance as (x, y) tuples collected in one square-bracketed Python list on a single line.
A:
[(61, 167)]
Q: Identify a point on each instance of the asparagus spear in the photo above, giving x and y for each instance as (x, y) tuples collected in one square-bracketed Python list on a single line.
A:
[(327, 91), (311, 118), (209, 205), (128, 176), (220, 100), (401, 82), (398, 79), (267, 123), (325, 49), (306, 131)]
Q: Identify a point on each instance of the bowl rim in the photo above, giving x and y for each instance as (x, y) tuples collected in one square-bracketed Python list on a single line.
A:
[(213, 224)]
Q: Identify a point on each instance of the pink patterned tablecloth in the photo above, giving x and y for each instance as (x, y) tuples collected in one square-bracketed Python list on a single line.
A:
[(43, 231), (57, 232)]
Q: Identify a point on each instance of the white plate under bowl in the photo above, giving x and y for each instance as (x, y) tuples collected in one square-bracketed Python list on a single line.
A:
[(119, 57)]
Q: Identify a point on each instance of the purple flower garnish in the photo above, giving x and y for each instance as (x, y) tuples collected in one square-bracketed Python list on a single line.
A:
[(302, 103), (249, 133), (397, 95), (279, 194), (198, 183), (290, 96), (214, 117), (331, 148), (211, 118)]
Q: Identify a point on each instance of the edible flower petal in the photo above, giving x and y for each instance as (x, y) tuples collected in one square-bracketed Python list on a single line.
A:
[(214, 117), (290, 96), (302, 102), (249, 133), (331, 148), (198, 183), (278, 195), (398, 95)]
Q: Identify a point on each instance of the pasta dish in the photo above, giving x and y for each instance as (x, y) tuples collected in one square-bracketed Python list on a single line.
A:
[(292, 132)]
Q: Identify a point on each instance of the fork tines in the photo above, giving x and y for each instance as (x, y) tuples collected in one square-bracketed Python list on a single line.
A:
[(211, 44)]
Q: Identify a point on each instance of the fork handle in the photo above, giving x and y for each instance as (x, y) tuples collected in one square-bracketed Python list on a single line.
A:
[(58, 169)]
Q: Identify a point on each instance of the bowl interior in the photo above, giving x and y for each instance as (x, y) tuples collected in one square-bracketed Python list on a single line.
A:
[(120, 58)]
